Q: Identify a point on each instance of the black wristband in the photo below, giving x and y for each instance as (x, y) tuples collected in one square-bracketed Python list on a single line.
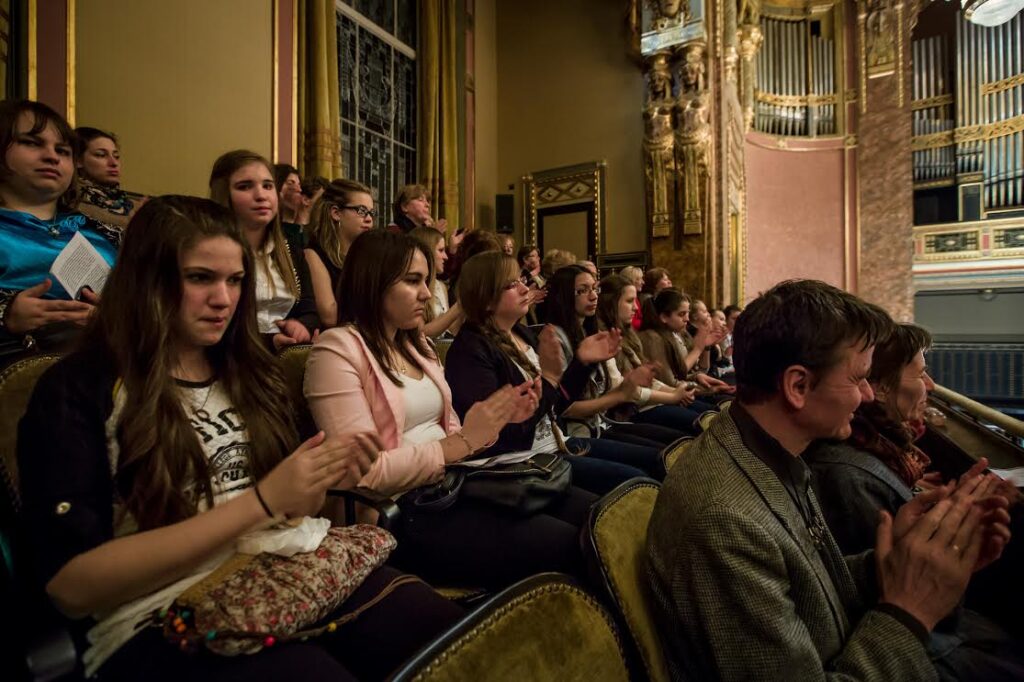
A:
[(263, 503)]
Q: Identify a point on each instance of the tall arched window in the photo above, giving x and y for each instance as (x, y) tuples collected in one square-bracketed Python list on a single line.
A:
[(377, 70)]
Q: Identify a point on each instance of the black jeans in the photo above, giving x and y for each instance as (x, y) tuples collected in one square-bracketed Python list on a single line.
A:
[(367, 648), (476, 544)]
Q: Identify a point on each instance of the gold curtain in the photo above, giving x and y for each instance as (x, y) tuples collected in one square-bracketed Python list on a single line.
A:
[(319, 123), (437, 57)]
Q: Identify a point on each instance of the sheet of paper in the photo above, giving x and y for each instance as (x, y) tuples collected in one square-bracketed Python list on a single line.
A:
[(1014, 476), (80, 265), (507, 458)]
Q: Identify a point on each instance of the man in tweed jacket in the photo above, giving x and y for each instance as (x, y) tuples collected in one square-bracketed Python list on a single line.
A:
[(747, 579)]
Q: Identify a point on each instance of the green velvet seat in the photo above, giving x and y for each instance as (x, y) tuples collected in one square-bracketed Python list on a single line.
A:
[(442, 346), (542, 628), (16, 384), (671, 453), (293, 363), (614, 541)]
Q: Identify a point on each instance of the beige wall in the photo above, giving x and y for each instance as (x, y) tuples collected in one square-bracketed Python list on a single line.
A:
[(568, 93), (178, 82), (486, 81)]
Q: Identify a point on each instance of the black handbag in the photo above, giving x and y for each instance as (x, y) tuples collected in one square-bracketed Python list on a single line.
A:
[(523, 488)]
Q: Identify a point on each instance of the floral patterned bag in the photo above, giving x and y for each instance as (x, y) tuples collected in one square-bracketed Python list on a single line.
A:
[(252, 601)]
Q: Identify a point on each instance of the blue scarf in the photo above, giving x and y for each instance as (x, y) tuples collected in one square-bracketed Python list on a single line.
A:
[(28, 247)]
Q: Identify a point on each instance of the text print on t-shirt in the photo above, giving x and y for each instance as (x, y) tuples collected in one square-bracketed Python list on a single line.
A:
[(223, 436)]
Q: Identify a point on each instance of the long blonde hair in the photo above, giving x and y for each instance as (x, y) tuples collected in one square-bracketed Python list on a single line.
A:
[(322, 227), (481, 285), (220, 191)]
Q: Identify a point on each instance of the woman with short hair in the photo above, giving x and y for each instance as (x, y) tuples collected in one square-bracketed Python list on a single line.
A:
[(38, 220)]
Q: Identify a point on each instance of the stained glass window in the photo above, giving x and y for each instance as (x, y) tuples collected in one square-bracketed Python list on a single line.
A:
[(377, 74)]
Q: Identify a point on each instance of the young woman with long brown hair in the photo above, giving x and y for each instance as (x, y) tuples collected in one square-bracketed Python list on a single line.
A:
[(662, 404), (608, 404), (38, 219), (667, 341), (286, 308), (343, 212), (493, 349), (377, 372), (440, 316), (166, 439)]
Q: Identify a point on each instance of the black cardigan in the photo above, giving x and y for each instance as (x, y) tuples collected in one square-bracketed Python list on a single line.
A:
[(475, 368), (67, 490)]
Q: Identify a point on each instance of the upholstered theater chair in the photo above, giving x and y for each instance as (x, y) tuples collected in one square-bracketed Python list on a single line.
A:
[(542, 628), (614, 540), (671, 453)]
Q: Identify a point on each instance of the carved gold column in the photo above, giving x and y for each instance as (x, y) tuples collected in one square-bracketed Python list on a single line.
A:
[(693, 145), (749, 39), (693, 140), (659, 152)]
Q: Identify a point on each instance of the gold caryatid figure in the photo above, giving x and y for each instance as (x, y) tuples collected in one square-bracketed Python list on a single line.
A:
[(693, 149), (659, 167)]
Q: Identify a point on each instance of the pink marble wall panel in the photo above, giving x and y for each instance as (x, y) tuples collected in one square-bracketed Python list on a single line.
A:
[(795, 216)]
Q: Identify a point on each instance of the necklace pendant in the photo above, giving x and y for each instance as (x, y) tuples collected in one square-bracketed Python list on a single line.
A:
[(54, 231)]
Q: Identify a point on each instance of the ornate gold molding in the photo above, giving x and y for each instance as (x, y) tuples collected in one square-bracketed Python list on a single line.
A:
[(1005, 84), (579, 184), (987, 131), (932, 184), (931, 141), (937, 101), (796, 100)]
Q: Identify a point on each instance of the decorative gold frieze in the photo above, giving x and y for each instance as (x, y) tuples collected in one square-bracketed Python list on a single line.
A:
[(1005, 84), (937, 101), (796, 100), (986, 131)]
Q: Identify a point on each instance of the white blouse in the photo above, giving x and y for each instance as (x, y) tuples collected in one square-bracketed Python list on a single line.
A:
[(424, 407), (274, 300)]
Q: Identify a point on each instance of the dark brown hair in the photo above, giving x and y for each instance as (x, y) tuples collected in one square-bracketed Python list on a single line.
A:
[(652, 277), (524, 251), (42, 116), (84, 135), (665, 302), (375, 261), (895, 353), (135, 327), (800, 322), (613, 287)]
